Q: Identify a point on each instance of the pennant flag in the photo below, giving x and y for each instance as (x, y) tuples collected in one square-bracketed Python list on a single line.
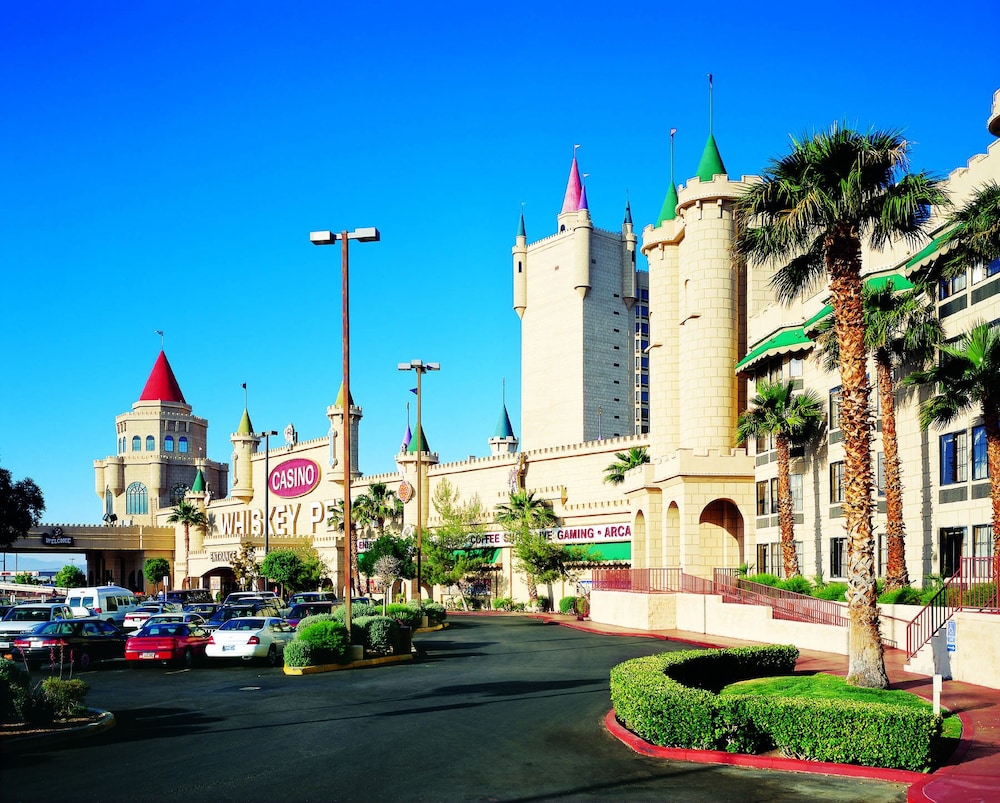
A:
[(413, 391)]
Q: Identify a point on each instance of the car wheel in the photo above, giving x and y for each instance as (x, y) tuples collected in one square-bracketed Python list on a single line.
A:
[(272, 656), (83, 661), (188, 659)]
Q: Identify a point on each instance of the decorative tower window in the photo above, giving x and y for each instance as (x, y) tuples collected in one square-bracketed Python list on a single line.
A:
[(136, 444), (182, 445), (136, 499), (168, 443), (178, 492), (150, 443)]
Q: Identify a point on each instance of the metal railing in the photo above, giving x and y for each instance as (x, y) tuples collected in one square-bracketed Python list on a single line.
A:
[(785, 604), (973, 587)]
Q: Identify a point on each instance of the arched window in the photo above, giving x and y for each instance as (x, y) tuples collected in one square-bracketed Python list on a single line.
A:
[(136, 444), (150, 443), (182, 444), (136, 499), (178, 492), (168, 443)]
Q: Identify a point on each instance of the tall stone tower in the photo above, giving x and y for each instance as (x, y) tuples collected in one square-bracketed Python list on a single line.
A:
[(574, 292), (335, 412), (245, 442)]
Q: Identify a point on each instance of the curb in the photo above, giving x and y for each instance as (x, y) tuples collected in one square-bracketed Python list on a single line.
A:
[(319, 668), (43, 741)]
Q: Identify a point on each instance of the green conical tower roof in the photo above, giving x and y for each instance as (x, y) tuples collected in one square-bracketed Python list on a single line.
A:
[(504, 429), (199, 483), (669, 210), (711, 162), (245, 427), (419, 443), (340, 397)]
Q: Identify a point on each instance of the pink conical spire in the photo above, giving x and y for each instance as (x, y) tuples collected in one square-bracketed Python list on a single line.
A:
[(571, 203)]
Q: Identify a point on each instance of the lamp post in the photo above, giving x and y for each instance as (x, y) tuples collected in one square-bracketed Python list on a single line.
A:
[(421, 368), (365, 235), (267, 488)]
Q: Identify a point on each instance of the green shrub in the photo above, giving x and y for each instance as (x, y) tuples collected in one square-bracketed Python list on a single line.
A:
[(320, 617), (907, 595), (406, 615), (797, 584), (503, 604), (435, 612), (567, 605), (15, 693), (298, 653), (764, 579), (63, 698), (832, 591), (543, 604), (380, 633), (582, 607), (329, 641)]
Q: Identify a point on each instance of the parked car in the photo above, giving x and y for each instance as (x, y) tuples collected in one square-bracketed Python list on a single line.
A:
[(203, 609), (183, 596), (176, 616), (80, 642), (134, 619), (242, 596), (311, 596), (251, 637), (299, 612), (111, 603), (167, 641), (251, 608), (23, 618)]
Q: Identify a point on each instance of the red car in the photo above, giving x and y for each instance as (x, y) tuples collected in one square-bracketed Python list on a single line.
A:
[(183, 642)]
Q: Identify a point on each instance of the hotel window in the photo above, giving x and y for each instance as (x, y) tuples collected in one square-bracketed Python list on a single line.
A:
[(982, 541), (182, 445), (168, 443), (796, 483), (136, 499), (150, 443), (980, 467), (762, 506), (136, 444), (774, 495), (837, 482), (954, 457), (985, 270), (795, 367), (838, 557), (949, 287), (835, 401), (880, 474)]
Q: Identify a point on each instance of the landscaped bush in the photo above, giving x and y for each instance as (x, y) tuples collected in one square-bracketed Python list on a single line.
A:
[(833, 591), (797, 584), (435, 612), (907, 595), (406, 615), (765, 579), (582, 607), (567, 604), (503, 604), (651, 701), (319, 617), (15, 692), (329, 641), (60, 699), (378, 633), (298, 653)]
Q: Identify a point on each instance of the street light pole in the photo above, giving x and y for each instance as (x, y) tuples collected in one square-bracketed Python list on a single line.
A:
[(421, 368), (365, 235), (267, 488)]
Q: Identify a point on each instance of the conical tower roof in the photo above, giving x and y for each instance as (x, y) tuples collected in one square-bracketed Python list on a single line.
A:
[(669, 209), (711, 161), (245, 427), (199, 483), (340, 397), (162, 384), (504, 429), (418, 444), (520, 227), (571, 201), (406, 439)]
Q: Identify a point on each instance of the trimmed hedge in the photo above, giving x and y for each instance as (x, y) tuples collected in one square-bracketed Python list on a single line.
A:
[(408, 615), (329, 641), (435, 612), (567, 604), (670, 700)]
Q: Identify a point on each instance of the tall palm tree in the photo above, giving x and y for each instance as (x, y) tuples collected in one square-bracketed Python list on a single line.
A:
[(336, 519), (625, 461), (901, 329), (190, 516), (522, 515), (815, 207), (791, 419), (973, 237), (379, 505), (966, 376)]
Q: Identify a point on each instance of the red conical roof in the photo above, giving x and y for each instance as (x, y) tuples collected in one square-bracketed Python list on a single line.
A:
[(162, 385)]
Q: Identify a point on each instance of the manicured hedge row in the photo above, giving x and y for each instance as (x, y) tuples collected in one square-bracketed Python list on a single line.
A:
[(665, 711), (670, 700)]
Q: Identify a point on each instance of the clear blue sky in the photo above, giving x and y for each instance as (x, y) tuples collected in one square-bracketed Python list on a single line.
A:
[(163, 164)]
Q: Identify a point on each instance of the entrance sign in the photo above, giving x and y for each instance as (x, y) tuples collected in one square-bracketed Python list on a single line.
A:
[(293, 478)]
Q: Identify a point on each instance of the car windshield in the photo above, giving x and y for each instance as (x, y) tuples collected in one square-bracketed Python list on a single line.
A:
[(63, 628), (28, 615), (243, 623), (225, 614), (164, 629)]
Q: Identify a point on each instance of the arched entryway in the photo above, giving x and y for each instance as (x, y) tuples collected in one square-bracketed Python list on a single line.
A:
[(720, 540)]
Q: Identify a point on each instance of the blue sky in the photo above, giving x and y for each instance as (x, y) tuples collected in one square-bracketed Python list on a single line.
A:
[(163, 164)]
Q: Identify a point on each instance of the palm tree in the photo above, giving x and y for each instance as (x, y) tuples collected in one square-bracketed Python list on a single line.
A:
[(901, 328), (815, 207), (336, 519), (378, 505), (625, 461), (522, 515), (791, 419), (189, 515), (967, 375), (973, 237)]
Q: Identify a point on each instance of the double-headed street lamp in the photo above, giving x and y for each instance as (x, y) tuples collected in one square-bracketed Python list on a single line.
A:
[(421, 368), (366, 235), (267, 488)]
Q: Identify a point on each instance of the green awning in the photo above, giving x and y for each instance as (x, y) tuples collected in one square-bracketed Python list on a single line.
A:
[(787, 341), (619, 550), (874, 283), (928, 253)]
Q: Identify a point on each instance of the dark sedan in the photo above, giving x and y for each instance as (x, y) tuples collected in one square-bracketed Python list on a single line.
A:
[(80, 642)]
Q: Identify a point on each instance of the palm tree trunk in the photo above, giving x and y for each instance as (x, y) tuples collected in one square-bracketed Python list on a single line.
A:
[(532, 588), (896, 575), (786, 513), (187, 553), (866, 660), (991, 420)]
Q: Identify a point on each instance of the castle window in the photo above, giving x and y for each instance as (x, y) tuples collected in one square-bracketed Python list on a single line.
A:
[(182, 445), (136, 444), (168, 443), (136, 499), (150, 443), (178, 492)]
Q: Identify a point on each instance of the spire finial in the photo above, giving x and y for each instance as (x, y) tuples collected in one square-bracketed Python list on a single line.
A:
[(244, 395), (673, 132), (710, 93), (160, 333)]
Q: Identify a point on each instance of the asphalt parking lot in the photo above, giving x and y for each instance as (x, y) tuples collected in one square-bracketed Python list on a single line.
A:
[(496, 709)]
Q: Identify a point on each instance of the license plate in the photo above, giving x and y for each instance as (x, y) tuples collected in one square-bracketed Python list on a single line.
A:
[(147, 654), (4, 644), (228, 647)]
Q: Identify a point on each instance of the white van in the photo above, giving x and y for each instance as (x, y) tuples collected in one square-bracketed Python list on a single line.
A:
[(110, 603)]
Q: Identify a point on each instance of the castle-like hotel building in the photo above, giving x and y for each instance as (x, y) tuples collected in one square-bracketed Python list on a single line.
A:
[(613, 357)]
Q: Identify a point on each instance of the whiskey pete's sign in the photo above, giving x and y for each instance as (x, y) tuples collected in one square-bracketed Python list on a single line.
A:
[(293, 478)]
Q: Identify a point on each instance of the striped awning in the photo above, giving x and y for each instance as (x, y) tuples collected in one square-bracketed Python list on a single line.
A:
[(787, 341), (874, 283)]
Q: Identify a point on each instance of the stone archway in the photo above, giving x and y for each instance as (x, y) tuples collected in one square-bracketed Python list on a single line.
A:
[(644, 543), (671, 557), (720, 541)]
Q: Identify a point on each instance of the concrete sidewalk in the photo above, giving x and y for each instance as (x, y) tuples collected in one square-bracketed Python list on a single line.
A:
[(972, 775)]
